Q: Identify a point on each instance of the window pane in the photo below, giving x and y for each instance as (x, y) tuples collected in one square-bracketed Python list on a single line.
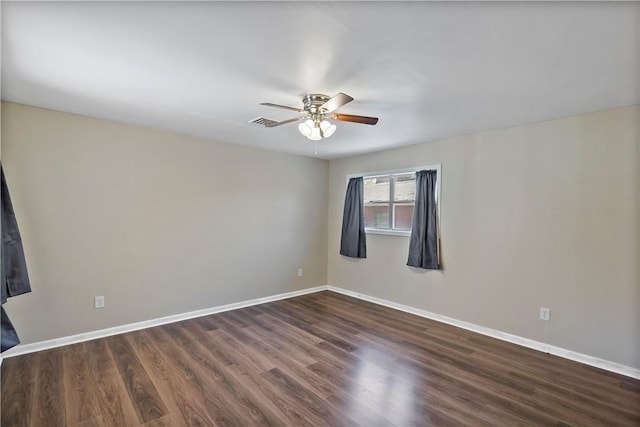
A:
[(376, 190), (376, 216), (403, 215), (405, 188)]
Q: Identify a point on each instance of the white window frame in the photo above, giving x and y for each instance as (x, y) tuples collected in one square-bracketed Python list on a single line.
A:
[(365, 175)]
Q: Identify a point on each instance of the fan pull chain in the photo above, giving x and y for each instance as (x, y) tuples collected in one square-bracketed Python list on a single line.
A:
[(315, 149)]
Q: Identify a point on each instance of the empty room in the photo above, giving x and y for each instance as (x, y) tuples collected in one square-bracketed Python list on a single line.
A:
[(320, 213)]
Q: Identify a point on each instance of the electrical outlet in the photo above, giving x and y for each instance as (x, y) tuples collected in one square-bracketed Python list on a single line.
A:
[(299, 272), (98, 302), (545, 314)]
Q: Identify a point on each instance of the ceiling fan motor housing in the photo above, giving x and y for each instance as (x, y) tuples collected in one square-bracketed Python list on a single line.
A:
[(313, 101)]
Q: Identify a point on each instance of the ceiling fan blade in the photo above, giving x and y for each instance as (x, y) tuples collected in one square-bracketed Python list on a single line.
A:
[(284, 122), (268, 123), (355, 119), (269, 104), (336, 102)]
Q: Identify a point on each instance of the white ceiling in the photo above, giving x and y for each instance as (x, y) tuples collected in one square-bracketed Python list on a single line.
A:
[(427, 70)]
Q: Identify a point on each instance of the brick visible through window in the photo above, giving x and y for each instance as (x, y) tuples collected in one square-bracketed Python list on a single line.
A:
[(389, 200)]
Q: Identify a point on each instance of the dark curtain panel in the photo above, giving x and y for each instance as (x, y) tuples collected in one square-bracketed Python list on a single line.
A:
[(353, 242), (423, 244), (9, 337), (13, 275)]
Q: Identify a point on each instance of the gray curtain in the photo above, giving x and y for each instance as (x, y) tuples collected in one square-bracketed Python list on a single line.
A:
[(13, 271), (353, 242), (423, 244), (9, 337)]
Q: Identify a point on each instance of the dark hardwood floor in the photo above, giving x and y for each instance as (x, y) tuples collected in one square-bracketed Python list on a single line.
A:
[(322, 360)]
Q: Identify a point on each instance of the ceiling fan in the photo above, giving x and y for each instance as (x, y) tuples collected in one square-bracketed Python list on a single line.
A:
[(317, 111)]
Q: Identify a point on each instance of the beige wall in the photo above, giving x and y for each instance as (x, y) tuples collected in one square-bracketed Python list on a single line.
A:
[(156, 222), (537, 215)]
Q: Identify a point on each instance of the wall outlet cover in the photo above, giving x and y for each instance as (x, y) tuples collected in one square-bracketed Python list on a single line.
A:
[(545, 314), (98, 302)]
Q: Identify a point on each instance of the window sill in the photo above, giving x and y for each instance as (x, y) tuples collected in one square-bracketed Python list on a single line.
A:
[(404, 233)]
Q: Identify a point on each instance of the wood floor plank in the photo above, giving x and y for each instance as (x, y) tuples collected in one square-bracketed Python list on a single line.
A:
[(290, 413), (170, 420), (49, 407), (298, 354), (224, 322), (211, 375), (82, 406), (319, 359), (356, 410), (218, 408), (258, 361), (143, 394), (171, 387), (307, 399), (18, 390), (287, 362), (91, 422), (281, 328), (115, 406)]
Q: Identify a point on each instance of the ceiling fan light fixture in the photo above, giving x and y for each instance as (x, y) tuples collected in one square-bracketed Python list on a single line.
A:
[(328, 128), (315, 134), (306, 127)]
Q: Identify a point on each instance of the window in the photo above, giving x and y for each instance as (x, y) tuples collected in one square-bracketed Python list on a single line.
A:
[(389, 199)]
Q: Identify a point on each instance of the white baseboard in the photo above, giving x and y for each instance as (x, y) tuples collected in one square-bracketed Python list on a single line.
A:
[(73, 339), (515, 339)]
